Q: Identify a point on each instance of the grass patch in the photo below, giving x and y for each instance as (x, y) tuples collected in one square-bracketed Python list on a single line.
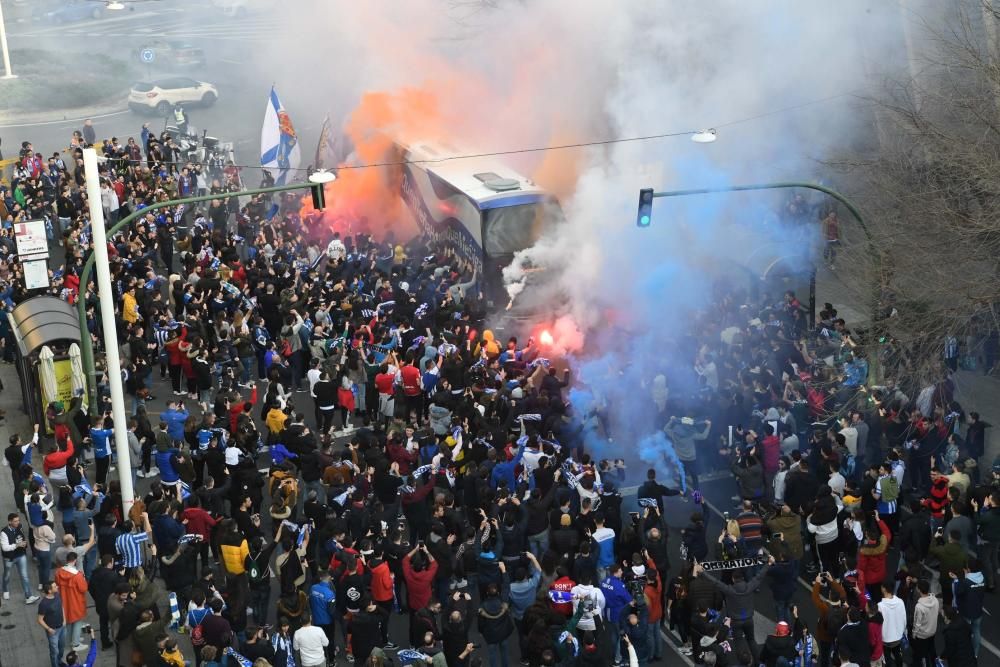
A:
[(59, 80)]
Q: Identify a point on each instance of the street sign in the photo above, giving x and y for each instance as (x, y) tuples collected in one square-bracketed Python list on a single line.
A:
[(147, 55), (30, 238), (36, 274)]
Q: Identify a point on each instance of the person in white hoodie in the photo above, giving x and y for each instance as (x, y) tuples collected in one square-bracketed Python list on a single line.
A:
[(893, 624), (925, 620), (591, 598)]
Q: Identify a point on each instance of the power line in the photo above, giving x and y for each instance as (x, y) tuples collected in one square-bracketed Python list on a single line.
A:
[(535, 149)]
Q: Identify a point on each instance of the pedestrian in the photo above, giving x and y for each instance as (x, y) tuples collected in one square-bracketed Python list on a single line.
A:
[(50, 617), (13, 547)]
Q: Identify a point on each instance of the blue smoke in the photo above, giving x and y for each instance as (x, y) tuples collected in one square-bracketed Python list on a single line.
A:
[(657, 450)]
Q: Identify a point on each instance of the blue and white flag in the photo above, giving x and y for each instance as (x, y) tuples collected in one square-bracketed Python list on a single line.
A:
[(279, 146), (411, 655), (241, 659)]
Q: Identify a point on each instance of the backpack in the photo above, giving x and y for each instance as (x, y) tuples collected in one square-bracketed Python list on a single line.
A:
[(256, 573), (890, 489), (197, 636)]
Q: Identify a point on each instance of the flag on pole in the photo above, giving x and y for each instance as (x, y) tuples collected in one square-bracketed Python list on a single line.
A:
[(333, 147), (279, 146)]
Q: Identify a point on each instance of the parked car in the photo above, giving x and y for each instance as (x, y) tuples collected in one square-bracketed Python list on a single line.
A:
[(173, 53), (161, 95), (68, 11)]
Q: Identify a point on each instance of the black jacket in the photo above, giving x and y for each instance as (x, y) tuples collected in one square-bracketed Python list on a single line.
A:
[(915, 533), (366, 634), (958, 644), (778, 647), (852, 641), (495, 622), (101, 585)]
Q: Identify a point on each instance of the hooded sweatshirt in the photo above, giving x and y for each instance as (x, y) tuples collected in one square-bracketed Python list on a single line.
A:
[(893, 619), (925, 615)]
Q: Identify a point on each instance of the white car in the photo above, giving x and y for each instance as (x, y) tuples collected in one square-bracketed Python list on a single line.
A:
[(161, 95)]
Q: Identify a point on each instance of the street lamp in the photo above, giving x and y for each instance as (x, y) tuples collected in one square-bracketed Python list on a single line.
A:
[(3, 47), (704, 136), (109, 325)]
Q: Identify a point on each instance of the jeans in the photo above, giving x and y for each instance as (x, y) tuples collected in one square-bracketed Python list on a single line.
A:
[(783, 610), (246, 364), (57, 645), (497, 654), (977, 636), (21, 563), (538, 544), (89, 561), (73, 631), (614, 629), (655, 640), (44, 565)]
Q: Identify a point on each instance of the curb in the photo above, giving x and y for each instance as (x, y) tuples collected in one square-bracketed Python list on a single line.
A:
[(54, 116)]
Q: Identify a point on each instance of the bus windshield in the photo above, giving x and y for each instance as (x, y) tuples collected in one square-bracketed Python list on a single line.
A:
[(509, 229)]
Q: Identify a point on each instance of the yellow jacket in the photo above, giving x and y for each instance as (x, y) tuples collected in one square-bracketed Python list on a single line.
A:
[(234, 557), (276, 421), (129, 310)]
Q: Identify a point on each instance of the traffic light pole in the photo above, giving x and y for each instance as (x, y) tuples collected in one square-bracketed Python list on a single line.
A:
[(87, 345), (873, 251)]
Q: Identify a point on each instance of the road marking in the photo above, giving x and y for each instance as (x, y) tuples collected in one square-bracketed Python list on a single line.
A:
[(231, 62), (67, 120)]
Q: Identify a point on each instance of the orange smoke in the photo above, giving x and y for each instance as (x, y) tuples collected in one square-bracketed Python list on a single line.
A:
[(368, 199)]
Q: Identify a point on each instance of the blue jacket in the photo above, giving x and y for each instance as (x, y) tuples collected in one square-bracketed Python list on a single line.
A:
[(505, 471), (102, 442), (175, 424), (321, 600), (168, 474), (523, 593), (616, 598), (166, 531)]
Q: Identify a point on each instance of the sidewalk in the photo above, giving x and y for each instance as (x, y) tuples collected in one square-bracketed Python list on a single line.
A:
[(22, 640), (975, 392), (53, 116)]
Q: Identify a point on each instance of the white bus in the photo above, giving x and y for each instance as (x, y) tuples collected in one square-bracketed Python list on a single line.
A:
[(481, 208)]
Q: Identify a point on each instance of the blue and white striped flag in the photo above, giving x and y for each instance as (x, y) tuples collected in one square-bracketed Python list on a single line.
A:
[(279, 145), (241, 659), (409, 655)]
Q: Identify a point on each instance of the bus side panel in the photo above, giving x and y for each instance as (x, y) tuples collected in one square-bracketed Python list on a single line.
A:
[(454, 219)]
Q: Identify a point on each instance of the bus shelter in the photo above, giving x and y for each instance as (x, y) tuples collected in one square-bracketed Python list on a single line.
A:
[(47, 354)]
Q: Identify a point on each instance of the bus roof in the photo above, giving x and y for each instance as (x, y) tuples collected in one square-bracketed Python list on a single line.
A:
[(479, 178)]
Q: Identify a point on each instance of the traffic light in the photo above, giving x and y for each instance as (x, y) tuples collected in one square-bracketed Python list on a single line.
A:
[(319, 200), (645, 216)]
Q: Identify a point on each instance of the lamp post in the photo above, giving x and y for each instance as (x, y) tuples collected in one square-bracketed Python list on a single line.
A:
[(3, 47), (316, 182), (109, 326)]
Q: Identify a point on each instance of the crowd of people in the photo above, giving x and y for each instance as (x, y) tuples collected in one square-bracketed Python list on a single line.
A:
[(350, 466)]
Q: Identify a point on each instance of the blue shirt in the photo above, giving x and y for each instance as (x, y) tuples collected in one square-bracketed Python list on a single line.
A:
[(616, 598), (321, 599), (175, 422), (102, 442)]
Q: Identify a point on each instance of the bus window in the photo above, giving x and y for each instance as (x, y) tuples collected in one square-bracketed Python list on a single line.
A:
[(508, 229)]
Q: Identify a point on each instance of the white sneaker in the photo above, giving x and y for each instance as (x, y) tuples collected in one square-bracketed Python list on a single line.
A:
[(153, 472), (31, 600), (81, 648), (39, 587), (6, 595), (139, 473)]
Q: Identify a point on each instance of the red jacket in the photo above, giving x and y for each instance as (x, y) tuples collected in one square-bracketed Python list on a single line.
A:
[(58, 459), (237, 410), (418, 584), (654, 594), (381, 585), (563, 585), (770, 453), (199, 522), (871, 557)]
